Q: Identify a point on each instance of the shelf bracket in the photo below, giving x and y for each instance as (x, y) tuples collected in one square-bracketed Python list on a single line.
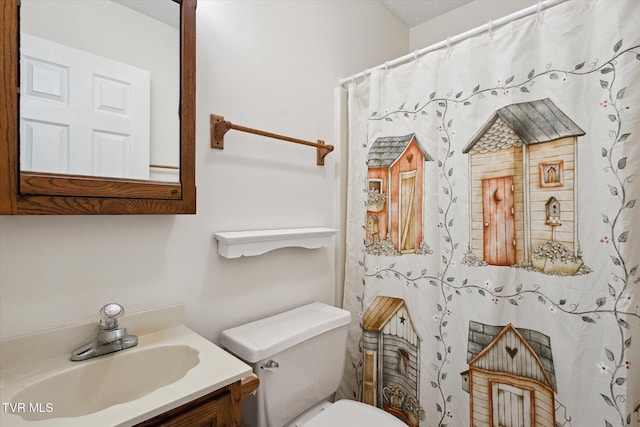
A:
[(220, 126)]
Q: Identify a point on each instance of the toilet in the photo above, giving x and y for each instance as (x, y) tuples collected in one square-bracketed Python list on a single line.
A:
[(299, 357)]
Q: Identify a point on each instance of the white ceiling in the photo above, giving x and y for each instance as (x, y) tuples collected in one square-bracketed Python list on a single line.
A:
[(165, 11), (412, 12), (415, 12)]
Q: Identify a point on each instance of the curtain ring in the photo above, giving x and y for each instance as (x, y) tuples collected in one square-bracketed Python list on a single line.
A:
[(448, 42), (415, 55), (386, 66), (491, 27)]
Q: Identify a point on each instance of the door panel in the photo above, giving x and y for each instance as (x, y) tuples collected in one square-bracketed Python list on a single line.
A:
[(407, 212), (511, 406), (369, 378), (45, 146), (498, 222), (510, 409)]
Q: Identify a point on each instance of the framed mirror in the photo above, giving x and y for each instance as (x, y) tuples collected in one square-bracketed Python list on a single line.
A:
[(90, 126)]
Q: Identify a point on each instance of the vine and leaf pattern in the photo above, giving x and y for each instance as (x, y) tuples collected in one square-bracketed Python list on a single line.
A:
[(614, 303)]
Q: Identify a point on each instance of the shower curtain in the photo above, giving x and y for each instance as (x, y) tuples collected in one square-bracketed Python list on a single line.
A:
[(493, 227)]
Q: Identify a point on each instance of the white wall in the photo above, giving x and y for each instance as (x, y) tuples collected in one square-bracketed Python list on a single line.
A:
[(461, 19), (273, 65)]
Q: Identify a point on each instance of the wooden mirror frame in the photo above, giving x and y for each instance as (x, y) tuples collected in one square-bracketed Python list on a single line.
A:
[(35, 193)]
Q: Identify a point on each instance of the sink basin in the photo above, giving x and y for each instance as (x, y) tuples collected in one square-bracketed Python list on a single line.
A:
[(105, 381)]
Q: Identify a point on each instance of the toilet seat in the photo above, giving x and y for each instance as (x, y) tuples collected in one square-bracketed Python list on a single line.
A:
[(349, 413)]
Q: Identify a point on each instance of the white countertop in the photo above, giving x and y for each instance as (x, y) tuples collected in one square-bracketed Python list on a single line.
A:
[(216, 369)]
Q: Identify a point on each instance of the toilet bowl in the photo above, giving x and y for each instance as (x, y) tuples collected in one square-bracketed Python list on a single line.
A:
[(349, 413), (299, 356)]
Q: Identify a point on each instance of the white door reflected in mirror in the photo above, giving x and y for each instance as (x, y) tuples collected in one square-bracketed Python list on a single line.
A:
[(81, 113), (100, 89)]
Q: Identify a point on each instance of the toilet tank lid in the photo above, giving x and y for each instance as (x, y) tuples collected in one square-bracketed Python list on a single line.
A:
[(266, 337)]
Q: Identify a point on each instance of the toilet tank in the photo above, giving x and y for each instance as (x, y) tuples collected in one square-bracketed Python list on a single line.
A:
[(299, 357)]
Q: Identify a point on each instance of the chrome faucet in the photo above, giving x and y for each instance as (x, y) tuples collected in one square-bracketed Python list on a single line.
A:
[(110, 337)]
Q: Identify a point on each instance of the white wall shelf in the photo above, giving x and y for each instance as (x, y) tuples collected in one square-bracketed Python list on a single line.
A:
[(234, 244)]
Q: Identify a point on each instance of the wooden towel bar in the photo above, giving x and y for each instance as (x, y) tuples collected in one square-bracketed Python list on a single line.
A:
[(157, 166), (219, 127)]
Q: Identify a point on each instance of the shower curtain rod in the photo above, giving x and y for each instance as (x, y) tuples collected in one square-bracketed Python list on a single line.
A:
[(542, 5)]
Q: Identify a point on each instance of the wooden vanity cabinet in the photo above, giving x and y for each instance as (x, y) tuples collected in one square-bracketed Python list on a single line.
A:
[(220, 408)]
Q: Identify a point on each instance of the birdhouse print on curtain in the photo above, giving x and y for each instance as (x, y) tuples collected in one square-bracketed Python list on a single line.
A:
[(553, 211), (525, 152), (511, 380), (395, 195), (392, 359)]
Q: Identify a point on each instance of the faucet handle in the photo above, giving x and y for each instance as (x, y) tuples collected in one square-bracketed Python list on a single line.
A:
[(109, 315)]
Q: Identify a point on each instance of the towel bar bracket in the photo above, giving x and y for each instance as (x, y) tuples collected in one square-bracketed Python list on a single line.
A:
[(220, 126)]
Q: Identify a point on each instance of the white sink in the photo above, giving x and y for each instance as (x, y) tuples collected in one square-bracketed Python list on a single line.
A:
[(93, 385), (171, 366)]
